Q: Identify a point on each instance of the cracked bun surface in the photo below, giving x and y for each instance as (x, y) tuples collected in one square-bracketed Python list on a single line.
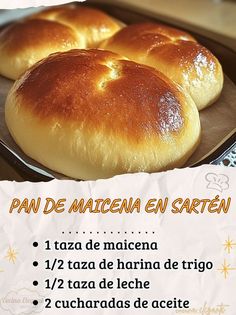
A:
[(90, 114), (58, 29), (174, 53)]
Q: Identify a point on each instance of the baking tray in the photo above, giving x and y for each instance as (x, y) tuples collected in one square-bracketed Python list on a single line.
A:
[(218, 144)]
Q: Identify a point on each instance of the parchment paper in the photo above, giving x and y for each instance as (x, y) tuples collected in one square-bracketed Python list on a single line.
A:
[(217, 122)]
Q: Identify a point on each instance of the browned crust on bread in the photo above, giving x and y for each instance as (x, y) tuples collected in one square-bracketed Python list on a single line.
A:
[(98, 88), (92, 114), (150, 34), (93, 24), (34, 34), (57, 29), (174, 53), (163, 43)]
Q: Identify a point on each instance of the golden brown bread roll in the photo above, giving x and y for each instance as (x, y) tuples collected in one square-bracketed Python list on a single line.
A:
[(174, 53), (91, 114), (24, 43), (93, 25), (58, 29)]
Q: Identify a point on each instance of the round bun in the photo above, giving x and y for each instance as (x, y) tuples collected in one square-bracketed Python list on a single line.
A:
[(91, 114), (92, 25), (174, 53), (24, 43)]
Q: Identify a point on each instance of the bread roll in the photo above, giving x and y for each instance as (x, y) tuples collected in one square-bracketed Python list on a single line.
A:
[(24, 43), (93, 25), (174, 53), (88, 114)]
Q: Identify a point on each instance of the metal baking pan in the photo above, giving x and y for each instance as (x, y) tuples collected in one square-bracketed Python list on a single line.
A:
[(223, 145)]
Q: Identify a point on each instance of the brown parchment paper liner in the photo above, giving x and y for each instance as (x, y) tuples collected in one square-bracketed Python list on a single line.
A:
[(217, 122)]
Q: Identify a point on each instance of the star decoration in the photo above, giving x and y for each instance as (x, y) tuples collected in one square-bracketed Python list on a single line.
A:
[(229, 244), (11, 255), (225, 269)]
